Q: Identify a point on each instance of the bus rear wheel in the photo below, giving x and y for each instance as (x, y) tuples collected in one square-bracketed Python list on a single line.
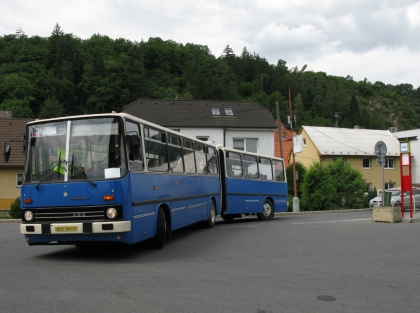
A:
[(268, 211), (159, 240), (211, 221)]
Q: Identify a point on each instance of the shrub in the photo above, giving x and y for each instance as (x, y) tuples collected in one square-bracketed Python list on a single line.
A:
[(318, 189), (15, 211)]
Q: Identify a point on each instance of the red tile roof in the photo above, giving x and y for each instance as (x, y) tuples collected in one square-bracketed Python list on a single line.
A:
[(287, 144)]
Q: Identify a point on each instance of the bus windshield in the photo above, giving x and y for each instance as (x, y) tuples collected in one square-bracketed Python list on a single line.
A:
[(86, 149)]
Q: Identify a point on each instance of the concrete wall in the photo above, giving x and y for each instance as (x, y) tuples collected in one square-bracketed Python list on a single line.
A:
[(8, 190)]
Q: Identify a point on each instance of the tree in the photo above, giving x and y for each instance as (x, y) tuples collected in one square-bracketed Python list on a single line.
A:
[(318, 189), (15, 211), (51, 108), (349, 185), (301, 171)]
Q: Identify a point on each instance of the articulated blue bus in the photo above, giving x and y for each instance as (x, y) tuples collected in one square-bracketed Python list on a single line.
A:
[(251, 184), (117, 178), (114, 178)]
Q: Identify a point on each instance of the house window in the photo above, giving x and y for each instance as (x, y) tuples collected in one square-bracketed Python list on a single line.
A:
[(389, 185), (203, 138), (366, 163), (247, 144), (215, 111), (304, 141), (228, 111), (19, 179), (389, 163)]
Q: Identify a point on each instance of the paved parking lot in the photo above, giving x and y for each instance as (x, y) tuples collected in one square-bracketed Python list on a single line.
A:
[(331, 262)]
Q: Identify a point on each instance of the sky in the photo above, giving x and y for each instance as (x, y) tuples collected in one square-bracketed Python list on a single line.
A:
[(377, 40)]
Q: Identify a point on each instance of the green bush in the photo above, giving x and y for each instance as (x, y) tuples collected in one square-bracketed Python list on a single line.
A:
[(15, 211), (349, 185), (318, 189), (333, 186)]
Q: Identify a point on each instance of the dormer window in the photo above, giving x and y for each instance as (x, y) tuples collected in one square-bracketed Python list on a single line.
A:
[(228, 111), (215, 111)]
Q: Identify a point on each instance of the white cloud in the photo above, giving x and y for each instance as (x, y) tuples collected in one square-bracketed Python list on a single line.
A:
[(374, 39), (380, 64), (413, 14)]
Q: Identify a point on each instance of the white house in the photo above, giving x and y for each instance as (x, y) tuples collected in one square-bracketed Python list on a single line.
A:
[(241, 125)]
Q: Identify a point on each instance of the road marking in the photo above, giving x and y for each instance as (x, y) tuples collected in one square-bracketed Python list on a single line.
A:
[(238, 226), (361, 219)]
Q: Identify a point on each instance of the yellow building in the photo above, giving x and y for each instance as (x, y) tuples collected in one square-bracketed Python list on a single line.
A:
[(11, 173), (357, 147)]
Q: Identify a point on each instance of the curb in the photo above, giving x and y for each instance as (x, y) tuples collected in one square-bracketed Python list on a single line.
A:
[(13, 221), (320, 212), (10, 221)]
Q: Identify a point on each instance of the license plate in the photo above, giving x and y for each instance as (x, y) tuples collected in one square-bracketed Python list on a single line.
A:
[(65, 229)]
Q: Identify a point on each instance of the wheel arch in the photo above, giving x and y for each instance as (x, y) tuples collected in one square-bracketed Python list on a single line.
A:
[(168, 219), (273, 203)]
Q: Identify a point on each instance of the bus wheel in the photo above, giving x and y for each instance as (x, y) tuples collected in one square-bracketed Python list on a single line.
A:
[(211, 221), (159, 240), (228, 217), (268, 211)]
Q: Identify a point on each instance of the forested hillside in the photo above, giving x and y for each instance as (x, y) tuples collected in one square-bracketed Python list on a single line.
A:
[(65, 75)]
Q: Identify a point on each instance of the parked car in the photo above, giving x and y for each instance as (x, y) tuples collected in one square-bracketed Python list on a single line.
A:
[(416, 200), (396, 198)]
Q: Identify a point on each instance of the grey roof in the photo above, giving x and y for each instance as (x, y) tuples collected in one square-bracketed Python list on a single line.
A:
[(351, 141), (198, 113)]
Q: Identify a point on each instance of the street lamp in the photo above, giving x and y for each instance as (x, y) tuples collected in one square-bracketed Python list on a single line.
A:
[(296, 207)]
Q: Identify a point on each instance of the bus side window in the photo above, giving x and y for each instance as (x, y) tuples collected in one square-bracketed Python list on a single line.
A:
[(278, 168), (211, 161), (264, 166), (175, 154), (249, 164), (189, 160), (200, 158), (233, 164), (156, 151), (134, 147)]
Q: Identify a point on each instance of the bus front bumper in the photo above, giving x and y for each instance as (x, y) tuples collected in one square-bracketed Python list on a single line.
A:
[(75, 228)]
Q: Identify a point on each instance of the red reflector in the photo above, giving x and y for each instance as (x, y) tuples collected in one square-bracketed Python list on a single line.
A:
[(107, 198), (27, 201), (154, 188)]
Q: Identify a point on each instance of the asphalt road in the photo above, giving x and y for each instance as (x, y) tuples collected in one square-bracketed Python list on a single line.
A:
[(295, 263)]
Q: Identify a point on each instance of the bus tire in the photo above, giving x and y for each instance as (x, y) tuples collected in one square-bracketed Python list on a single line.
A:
[(159, 240), (228, 217), (211, 221), (267, 212)]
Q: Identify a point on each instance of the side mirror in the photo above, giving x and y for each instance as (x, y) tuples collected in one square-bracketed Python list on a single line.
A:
[(134, 141), (7, 150)]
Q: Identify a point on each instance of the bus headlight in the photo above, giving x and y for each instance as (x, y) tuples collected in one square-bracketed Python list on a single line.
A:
[(111, 213), (28, 216)]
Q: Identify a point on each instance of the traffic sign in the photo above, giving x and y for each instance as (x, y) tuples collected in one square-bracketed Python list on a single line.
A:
[(380, 149)]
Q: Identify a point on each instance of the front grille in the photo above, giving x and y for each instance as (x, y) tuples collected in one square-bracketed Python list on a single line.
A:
[(71, 214)]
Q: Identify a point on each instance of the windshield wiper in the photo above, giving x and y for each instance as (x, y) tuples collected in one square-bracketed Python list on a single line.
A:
[(50, 174), (79, 170)]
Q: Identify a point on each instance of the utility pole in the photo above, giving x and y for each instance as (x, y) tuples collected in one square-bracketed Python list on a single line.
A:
[(296, 206), (279, 129)]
